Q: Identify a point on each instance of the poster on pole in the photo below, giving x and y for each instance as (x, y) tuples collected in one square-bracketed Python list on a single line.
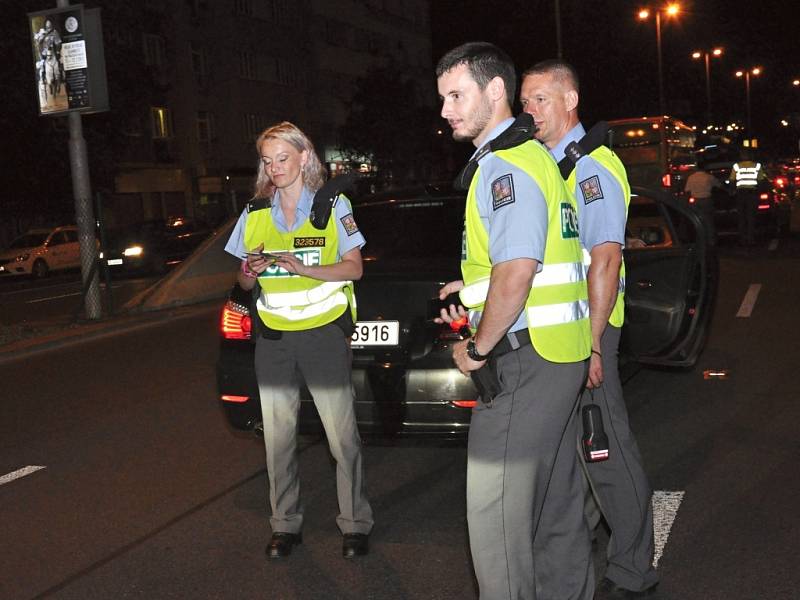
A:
[(68, 62)]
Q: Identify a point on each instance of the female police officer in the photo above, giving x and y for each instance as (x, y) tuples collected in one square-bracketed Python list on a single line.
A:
[(306, 293)]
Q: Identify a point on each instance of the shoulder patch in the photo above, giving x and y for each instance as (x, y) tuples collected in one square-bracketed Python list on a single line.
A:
[(349, 224), (590, 189), (258, 204), (502, 191)]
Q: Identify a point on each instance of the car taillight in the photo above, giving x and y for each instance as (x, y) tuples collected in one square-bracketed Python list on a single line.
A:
[(666, 180), (235, 321), (764, 196), (235, 399), (464, 403), (763, 207), (780, 182)]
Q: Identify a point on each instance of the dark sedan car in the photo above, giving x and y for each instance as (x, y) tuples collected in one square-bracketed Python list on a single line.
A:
[(152, 246), (403, 373)]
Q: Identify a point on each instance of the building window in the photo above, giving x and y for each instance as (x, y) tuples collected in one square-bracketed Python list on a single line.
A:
[(205, 126), (199, 65), (243, 7), (247, 65), (153, 50), (253, 125), (161, 119)]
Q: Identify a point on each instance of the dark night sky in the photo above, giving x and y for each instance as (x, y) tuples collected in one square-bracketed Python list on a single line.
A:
[(615, 54)]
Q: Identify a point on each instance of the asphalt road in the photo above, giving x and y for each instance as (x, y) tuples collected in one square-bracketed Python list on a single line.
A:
[(145, 492)]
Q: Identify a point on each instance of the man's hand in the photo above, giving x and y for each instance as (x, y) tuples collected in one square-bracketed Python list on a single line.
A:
[(452, 313), (595, 372), (464, 363)]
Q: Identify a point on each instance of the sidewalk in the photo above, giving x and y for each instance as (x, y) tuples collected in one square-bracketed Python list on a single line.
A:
[(20, 340)]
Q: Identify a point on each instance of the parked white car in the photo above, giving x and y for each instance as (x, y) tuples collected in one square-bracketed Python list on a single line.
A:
[(40, 251)]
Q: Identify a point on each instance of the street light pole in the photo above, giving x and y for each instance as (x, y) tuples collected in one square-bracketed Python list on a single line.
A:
[(747, 98), (708, 89), (661, 103)]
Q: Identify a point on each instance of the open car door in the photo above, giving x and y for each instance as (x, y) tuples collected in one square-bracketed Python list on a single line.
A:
[(670, 282)]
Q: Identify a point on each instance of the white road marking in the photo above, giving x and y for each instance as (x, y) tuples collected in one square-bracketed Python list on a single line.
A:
[(665, 508), (53, 298), (773, 245), (9, 477), (749, 301)]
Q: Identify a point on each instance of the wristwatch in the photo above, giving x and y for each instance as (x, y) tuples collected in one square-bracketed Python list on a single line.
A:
[(473, 353)]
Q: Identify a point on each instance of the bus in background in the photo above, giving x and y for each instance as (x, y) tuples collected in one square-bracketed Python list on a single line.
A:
[(656, 151)]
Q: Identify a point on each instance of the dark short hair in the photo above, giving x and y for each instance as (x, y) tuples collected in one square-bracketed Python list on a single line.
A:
[(484, 61), (560, 69)]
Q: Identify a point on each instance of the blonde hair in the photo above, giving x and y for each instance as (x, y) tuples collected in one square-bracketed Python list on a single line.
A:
[(313, 173)]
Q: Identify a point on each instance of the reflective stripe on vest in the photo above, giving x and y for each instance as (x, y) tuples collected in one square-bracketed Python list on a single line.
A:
[(554, 274), (310, 311), (303, 297), (557, 314), (747, 176)]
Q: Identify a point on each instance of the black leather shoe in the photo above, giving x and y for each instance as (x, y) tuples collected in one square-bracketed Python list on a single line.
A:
[(608, 590), (355, 544), (280, 545)]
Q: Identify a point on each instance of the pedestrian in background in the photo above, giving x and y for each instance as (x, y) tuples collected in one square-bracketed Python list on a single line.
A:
[(700, 185)]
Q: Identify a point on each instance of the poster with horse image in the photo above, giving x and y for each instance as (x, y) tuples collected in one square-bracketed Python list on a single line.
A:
[(59, 59)]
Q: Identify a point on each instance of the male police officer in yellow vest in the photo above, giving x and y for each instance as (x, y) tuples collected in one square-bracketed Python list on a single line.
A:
[(747, 176), (526, 294), (600, 185)]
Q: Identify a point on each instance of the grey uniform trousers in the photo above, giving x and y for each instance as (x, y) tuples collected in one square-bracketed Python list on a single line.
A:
[(323, 358), (528, 536), (619, 484)]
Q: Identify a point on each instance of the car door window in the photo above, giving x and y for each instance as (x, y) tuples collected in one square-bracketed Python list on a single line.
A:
[(71, 235), (57, 239), (670, 280)]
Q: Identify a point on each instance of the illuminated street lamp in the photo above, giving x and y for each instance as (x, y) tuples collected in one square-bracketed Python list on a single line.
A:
[(796, 83), (671, 10), (746, 74), (706, 54)]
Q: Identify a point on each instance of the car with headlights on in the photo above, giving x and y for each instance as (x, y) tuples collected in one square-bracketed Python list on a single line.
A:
[(152, 246), (403, 375), (40, 251)]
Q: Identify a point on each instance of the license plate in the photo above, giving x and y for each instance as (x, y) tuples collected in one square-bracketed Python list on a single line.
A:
[(114, 261), (376, 333)]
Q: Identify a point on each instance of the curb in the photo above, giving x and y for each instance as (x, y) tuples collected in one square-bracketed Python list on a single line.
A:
[(74, 334)]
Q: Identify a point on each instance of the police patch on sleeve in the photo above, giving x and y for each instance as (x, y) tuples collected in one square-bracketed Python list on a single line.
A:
[(591, 190), (502, 191), (349, 224)]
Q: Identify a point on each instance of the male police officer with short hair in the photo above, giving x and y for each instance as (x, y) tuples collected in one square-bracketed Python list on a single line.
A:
[(600, 185), (526, 294)]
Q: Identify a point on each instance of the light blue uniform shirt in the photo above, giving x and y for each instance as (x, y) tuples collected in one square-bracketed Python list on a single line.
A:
[(341, 212), (601, 219), (517, 224)]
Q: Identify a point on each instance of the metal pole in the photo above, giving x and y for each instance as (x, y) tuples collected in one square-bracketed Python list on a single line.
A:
[(558, 30), (747, 95), (661, 103), (82, 191), (708, 91)]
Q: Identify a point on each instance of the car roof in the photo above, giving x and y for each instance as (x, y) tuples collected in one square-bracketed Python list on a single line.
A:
[(435, 191)]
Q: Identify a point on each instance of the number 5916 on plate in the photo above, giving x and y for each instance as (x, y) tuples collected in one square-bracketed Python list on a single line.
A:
[(376, 333)]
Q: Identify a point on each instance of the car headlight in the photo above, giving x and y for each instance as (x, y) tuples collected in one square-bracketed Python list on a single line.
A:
[(133, 251), (23, 257)]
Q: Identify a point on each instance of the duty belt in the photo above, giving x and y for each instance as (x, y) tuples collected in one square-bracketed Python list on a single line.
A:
[(513, 340)]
